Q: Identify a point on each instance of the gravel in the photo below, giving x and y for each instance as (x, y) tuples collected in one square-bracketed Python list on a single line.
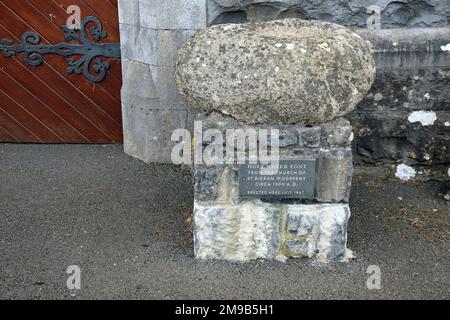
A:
[(125, 223)]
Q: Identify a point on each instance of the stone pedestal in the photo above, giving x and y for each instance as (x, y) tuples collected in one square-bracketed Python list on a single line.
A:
[(231, 227), (299, 77)]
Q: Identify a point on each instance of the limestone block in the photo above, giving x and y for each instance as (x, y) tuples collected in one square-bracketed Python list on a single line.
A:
[(128, 41), (129, 12), (150, 87), (334, 171), (138, 89), (317, 230), (239, 233), (257, 230), (146, 131), (173, 14), (309, 137), (154, 47)]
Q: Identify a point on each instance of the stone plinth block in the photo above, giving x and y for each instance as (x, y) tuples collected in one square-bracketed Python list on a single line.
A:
[(257, 230)]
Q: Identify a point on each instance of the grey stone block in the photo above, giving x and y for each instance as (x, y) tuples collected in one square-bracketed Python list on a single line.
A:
[(413, 75), (301, 225), (207, 180), (237, 233), (129, 12), (150, 87), (154, 47), (148, 130), (337, 133), (317, 230), (334, 171), (173, 14), (408, 47), (128, 42), (310, 137), (256, 230), (216, 184), (138, 89), (332, 241), (288, 137)]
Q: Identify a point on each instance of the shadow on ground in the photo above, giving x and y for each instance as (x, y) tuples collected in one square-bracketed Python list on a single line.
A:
[(124, 223)]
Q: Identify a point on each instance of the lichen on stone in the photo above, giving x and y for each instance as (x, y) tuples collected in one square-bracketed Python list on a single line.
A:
[(285, 71)]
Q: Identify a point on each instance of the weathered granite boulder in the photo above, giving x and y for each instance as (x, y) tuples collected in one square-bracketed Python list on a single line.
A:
[(280, 71), (230, 226)]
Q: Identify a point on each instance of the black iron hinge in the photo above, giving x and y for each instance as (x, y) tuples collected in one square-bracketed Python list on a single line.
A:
[(90, 63)]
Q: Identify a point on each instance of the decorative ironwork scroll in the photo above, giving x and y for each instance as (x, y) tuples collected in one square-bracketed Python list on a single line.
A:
[(90, 62)]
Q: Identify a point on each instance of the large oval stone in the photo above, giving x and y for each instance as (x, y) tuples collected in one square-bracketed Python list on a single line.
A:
[(280, 71)]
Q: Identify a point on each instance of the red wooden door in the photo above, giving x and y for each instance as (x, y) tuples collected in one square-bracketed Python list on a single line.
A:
[(45, 104)]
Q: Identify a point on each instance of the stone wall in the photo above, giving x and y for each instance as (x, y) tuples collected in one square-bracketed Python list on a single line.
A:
[(406, 116), (151, 33), (413, 73), (352, 13)]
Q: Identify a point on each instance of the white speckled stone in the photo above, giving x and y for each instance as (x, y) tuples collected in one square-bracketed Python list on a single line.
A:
[(284, 71)]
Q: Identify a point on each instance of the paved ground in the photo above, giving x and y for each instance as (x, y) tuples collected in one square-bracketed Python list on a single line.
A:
[(123, 223)]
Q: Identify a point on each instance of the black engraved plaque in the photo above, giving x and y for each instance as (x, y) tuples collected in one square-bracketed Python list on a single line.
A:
[(294, 179)]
